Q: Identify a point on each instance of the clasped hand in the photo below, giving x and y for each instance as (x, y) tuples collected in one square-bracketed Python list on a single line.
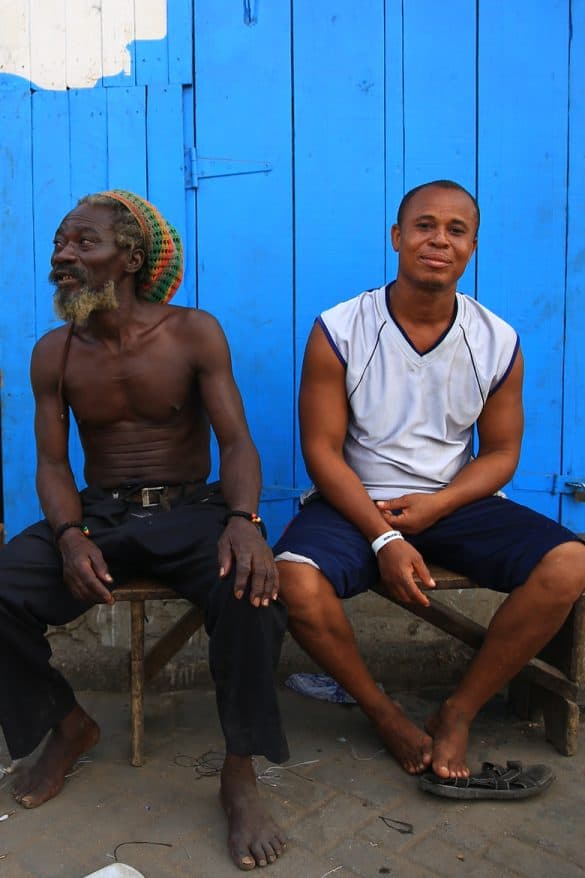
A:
[(411, 513), (402, 568)]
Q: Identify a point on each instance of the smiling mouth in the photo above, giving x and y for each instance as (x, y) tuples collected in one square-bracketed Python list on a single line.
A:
[(435, 262)]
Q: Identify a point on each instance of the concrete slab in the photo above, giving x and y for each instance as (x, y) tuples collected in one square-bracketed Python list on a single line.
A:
[(165, 819)]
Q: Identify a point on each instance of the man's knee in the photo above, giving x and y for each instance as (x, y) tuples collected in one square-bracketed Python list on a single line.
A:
[(561, 572), (298, 582), (305, 591)]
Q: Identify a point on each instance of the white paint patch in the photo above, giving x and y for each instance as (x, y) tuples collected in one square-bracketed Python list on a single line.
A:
[(58, 44)]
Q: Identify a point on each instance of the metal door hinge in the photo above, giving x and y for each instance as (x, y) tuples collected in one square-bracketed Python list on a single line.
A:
[(201, 167)]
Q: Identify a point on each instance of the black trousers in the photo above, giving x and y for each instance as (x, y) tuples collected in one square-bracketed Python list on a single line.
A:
[(178, 545)]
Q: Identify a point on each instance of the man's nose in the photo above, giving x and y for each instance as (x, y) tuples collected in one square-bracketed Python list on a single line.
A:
[(440, 237), (67, 253)]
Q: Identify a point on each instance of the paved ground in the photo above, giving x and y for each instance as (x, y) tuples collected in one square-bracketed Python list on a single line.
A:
[(331, 798)]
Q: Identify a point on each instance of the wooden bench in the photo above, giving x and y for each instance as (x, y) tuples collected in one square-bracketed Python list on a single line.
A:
[(549, 684), (144, 667)]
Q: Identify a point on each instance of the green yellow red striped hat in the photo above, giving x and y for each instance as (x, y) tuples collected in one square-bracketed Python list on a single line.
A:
[(163, 269)]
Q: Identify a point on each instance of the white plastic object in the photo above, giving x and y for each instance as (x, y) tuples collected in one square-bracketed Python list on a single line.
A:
[(116, 870)]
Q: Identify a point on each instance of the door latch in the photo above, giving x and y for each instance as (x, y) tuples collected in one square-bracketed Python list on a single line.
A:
[(578, 490)]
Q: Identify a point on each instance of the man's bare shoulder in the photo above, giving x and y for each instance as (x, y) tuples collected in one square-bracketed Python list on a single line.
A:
[(51, 341), (195, 328), (46, 358), (48, 350), (191, 320)]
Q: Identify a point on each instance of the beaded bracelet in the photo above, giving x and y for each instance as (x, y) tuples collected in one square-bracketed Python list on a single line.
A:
[(249, 516), (59, 531)]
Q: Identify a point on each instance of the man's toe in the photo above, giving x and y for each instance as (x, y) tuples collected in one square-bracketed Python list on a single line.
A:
[(242, 858), (245, 862), (261, 853)]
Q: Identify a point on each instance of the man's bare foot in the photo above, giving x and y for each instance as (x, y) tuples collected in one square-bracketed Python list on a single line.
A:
[(253, 837), (449, 729), (74, 736), (408, 744)]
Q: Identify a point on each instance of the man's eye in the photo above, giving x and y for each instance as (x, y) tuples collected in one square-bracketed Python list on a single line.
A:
[(423, 225), (457, 231), (86, 242)]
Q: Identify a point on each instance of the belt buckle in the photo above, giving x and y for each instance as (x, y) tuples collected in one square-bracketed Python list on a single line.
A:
[(146, 501)]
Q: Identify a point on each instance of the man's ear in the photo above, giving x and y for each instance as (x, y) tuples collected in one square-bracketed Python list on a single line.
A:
[(395, 237), (135, 260)]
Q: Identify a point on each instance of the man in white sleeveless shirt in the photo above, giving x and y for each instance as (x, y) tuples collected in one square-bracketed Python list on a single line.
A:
[(394, 383)]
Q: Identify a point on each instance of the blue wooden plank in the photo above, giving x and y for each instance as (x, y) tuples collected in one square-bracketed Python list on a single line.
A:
[(522, 191), (166, 162), (152, 63), (573, 513), (180, 41), (393, 122), (126, 133), (17, 326), (340, 209), (152, 55), (189, 291), (439, 92), (52, 200), (440, 98), (89, 141), (244, 222), (52, 192), (89, 173)]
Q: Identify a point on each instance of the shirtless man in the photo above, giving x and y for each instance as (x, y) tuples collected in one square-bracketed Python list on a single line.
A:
[(143, 379), (394, 383)]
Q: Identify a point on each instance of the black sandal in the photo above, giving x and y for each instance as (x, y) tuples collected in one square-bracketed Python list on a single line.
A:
[(493, 782)]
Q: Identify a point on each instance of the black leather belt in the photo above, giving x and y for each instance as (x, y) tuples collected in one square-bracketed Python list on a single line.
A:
[(155, 495)]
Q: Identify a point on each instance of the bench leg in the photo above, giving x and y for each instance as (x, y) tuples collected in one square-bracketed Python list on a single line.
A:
[(137, 682), (561, 714), (171, 642), (561, 721)]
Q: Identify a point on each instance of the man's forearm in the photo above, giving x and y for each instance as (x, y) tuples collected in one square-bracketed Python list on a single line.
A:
[(342, 488), (240, 477), (58, 494), (480, 478)]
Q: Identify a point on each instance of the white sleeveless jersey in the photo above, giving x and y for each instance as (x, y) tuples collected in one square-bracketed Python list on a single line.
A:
[(411, 415)]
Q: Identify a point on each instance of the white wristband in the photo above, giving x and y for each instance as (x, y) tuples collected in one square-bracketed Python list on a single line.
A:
[(385, 538)]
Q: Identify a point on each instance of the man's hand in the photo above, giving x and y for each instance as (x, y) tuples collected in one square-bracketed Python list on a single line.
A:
[(242, 544), (412, 513), (399, 563), (85, 572)]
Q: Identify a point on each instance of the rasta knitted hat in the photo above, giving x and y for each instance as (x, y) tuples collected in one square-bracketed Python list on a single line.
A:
[(162, 272)]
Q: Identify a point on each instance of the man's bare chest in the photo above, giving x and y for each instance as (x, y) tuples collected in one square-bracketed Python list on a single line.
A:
[(105, 388)]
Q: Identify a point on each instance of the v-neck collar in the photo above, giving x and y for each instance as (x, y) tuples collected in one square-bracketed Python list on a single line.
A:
[(405, 334)]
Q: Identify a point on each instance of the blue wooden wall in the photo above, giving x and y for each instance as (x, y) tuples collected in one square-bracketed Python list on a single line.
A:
[(279, 138)]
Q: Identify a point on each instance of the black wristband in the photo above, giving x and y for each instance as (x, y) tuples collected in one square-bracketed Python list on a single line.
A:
[(59, 531), (249, 516)]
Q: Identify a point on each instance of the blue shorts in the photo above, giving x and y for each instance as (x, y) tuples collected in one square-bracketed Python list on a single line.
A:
[(495, 542)]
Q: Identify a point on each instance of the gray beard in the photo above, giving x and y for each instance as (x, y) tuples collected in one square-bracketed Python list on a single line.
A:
[(77, 308)]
